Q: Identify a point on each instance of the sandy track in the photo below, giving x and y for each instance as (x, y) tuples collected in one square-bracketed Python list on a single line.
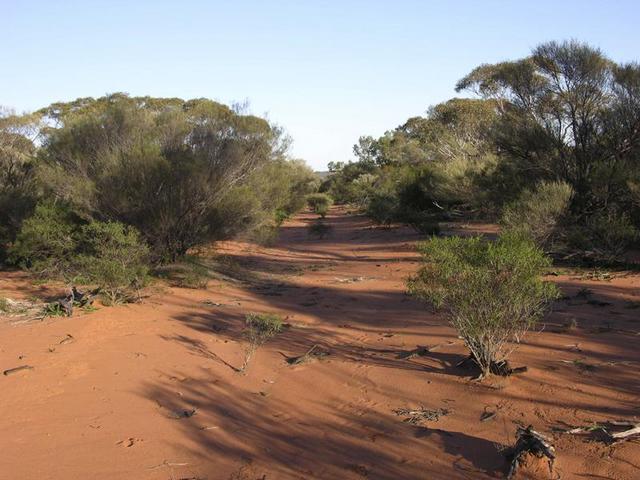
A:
[(114, 403)]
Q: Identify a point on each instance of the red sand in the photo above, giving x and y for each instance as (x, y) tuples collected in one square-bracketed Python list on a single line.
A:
[(103, 405)]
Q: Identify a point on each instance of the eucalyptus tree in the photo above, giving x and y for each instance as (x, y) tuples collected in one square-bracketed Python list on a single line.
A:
[(161, 165), (568, 113)]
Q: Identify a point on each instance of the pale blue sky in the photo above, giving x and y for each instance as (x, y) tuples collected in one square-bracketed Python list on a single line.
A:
[(328, 71)]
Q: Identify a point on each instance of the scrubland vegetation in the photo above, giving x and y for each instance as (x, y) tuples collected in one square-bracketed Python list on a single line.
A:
[(114, 191), (100, 190), (548, 147)]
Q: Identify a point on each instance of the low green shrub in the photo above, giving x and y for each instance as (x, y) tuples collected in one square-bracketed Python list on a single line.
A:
[(46, 242), (383, 208), (319, 203), (259, 328), (54, 244), (265, 235), (492, 292), (113, 257), (605, 235), (425, 223), (538, 213)]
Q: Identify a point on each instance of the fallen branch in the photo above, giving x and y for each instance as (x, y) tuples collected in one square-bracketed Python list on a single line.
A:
[(417, 416), (307, 356), (21, 368), (610, 436), (530, 442)]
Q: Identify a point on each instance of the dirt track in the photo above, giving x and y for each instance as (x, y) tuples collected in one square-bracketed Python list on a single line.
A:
[(149, 391)]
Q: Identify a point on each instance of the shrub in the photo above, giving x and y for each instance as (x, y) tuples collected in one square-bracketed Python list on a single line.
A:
[(383, 208), (606, 235), (319, 203), (492, 292), (46, 242), (265, 235), (113, 257), (259, 328), (425, 223), (280, 216), (538, 213), (160, 165)]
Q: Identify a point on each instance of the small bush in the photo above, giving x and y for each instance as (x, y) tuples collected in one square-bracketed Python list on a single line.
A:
[(538, 213), (46, 242), (113, 257), (606, 235), (492, 292), (319, 203), (259, 328), (265, 235), (195, 276), (319, 229), (382, 209), (280, 216), (425, 223)]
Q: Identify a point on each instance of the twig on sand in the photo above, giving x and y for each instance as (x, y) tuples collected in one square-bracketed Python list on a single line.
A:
[(11, 371), (609, 429), (167, 464), (307, 356), (418, 415)]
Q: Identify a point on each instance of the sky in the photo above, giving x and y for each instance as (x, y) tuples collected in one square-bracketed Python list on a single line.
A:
[(327, 71)]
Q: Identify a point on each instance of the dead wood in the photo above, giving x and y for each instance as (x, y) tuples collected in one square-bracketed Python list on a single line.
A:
[(528, 441), (11, 371), (613, 431), (312, 353), (419, 415)]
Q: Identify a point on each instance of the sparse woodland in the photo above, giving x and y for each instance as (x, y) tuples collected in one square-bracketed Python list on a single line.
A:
[(122, 197)]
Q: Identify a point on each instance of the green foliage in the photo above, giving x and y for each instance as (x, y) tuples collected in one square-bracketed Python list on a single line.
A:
[(53, 243), (259, 205), (568, 112), (383, 208), (46, 242), (492, 292), (163, 166), (538, 213), (54, 309), (319, 203), (114, 258), (425, 223), (259, 328), (604, 235), (18, 189)]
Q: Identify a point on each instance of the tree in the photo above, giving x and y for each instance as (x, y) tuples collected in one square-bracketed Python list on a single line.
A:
[(18, 191), (161, 165), (569, 113)]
